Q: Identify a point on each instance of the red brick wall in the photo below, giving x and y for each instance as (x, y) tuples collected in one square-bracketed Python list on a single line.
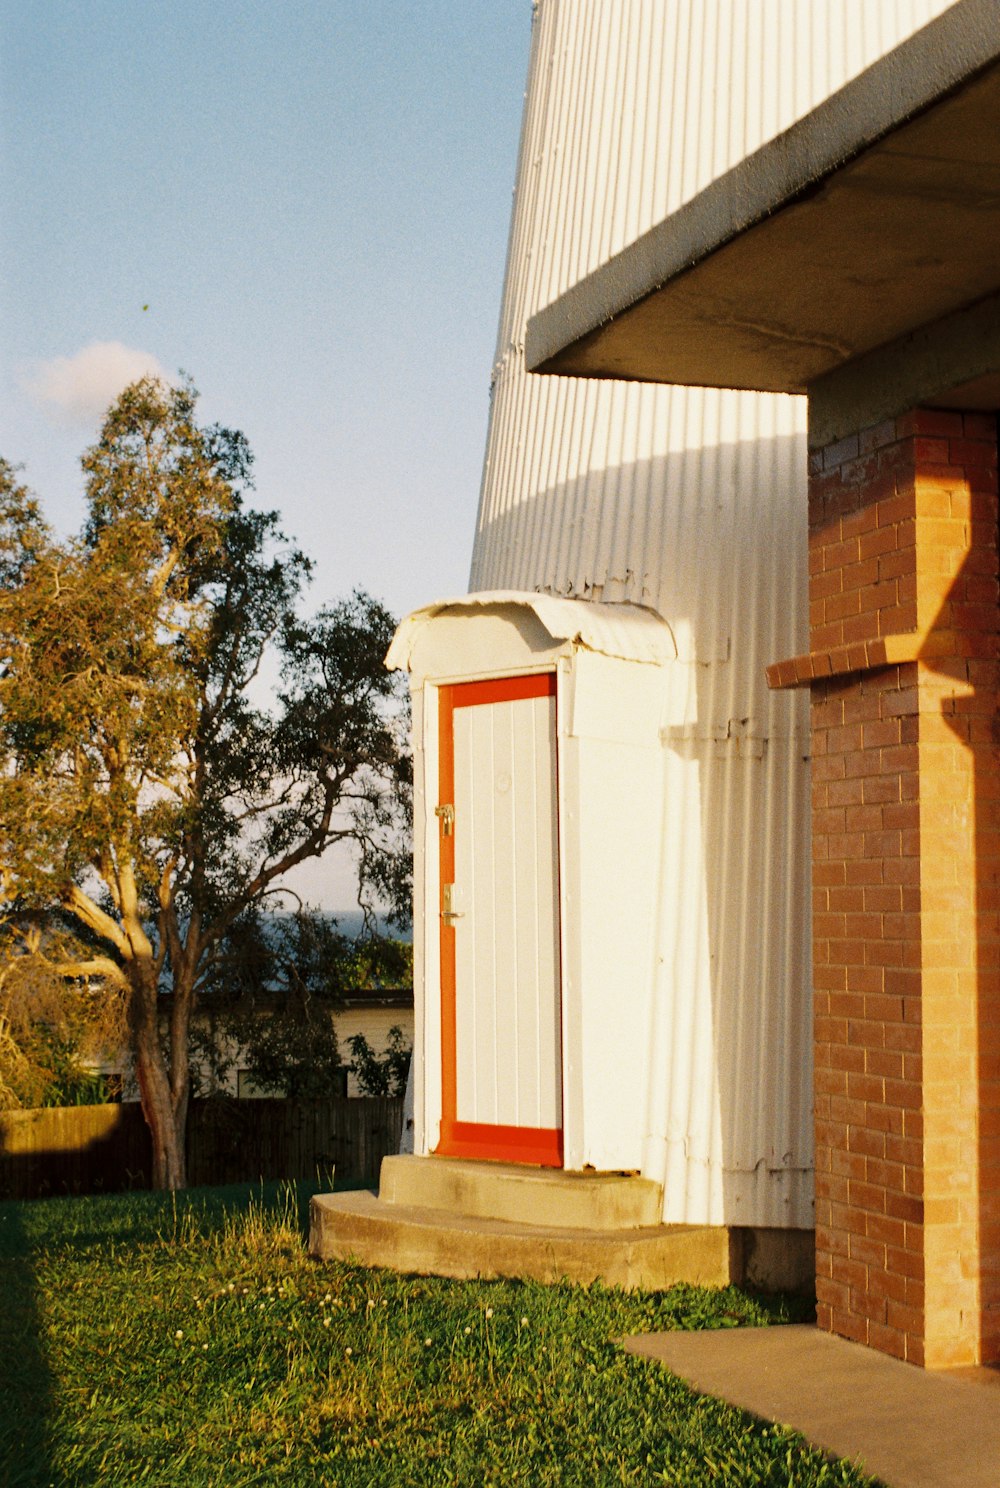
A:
[(862, 531), (906, 852)]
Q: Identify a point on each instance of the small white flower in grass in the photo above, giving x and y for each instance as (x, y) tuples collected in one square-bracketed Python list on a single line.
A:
[(179, 1333), (204, 1348), (524, 1322), (468, 1330), (348, 1352), (489, 1312), (326, 1322)]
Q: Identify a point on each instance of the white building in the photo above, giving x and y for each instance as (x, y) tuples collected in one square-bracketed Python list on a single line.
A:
[(612, 928)]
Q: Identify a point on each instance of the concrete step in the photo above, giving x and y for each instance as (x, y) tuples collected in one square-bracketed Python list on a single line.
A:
[(536, 1196), (431, 1242)]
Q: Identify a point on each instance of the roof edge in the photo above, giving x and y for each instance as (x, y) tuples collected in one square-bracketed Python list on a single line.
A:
[(936, 60)]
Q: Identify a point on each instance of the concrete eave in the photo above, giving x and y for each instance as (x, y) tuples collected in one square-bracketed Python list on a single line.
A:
[(875, 214)]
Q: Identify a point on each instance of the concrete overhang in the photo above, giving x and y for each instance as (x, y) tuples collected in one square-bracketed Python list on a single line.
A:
[(875, 214)]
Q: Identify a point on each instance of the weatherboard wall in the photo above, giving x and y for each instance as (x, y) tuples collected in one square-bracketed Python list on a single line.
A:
[(691, 502)]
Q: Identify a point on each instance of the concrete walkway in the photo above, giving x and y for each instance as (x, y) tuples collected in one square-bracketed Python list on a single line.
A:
[(908, 1427)]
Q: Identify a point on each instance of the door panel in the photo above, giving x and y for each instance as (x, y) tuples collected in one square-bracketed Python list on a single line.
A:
[(500, 928)]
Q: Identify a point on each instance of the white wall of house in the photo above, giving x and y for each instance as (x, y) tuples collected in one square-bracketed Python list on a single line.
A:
[(373, 1021), (691, 502)]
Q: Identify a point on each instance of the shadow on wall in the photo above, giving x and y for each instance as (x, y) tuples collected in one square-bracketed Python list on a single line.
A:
[(715, 540), (73, 1150), (908, 954), (106, 1149)]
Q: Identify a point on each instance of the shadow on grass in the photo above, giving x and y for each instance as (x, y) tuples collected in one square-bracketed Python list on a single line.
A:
[(25, 1382), (31, 1230)]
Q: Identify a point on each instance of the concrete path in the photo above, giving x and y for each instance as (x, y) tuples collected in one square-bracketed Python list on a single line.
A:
[(906, 1426)]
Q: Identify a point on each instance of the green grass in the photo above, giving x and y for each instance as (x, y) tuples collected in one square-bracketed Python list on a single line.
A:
[(193, 1342)]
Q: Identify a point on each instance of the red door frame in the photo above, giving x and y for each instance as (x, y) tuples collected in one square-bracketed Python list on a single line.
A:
[(541, 1146)]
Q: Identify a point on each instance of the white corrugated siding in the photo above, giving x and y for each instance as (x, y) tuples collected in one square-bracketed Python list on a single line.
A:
[(692, 502)]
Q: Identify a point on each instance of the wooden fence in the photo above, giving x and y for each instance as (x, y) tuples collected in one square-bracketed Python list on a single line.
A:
[(105, 1149)]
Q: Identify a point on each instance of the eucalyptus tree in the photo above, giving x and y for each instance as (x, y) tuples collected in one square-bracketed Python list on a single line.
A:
[(152, 788), (57, 1012)]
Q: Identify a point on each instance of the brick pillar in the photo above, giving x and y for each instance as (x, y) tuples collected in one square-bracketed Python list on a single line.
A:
[(906, 855)]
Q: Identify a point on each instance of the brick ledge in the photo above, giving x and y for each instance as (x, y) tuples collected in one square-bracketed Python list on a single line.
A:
[(860, 656)]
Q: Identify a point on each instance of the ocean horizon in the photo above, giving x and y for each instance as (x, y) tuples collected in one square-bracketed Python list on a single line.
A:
[(351, 923)]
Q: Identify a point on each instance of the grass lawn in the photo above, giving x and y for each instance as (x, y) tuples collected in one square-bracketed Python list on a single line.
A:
[(193, 1342)]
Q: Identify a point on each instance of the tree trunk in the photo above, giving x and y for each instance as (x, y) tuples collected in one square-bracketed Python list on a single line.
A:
[(167, 1122)]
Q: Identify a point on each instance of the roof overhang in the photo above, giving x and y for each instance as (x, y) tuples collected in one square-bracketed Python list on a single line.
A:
[(630, 632), (875, 214)]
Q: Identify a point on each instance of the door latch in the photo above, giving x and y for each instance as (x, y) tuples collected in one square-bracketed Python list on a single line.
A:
[(447, 816), (448, 914)]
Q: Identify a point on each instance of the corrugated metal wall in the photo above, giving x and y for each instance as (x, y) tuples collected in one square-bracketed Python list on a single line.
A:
[(691, 501)]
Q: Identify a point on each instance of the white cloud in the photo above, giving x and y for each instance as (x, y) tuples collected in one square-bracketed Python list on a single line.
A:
[(79, 388)]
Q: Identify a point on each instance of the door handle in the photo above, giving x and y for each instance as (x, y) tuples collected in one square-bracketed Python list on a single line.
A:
[(448, 914)]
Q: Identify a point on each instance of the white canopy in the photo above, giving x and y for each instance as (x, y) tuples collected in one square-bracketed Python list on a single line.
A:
[(629, 631)]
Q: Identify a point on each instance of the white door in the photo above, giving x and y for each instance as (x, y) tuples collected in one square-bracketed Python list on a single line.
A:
[(501, 1045)]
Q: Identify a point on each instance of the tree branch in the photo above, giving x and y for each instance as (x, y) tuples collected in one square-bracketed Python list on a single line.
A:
[(90, 914), (101, 966)]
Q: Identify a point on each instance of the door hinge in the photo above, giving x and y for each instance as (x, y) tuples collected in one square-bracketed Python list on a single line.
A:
[(447, 817)]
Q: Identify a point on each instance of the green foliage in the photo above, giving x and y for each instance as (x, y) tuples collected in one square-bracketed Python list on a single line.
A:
[(385, 1075), (54, 1014), (76, 1086), (23, 532), (145, 789), (194, 1343), (274, 987), (102, 640)]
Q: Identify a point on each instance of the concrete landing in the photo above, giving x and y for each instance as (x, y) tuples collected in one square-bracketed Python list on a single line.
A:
[(541, 1196), (909, 1427), (436, 1242)]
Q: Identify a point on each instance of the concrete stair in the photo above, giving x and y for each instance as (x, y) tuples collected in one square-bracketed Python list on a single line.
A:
[(451, 1217), (541, 1196)]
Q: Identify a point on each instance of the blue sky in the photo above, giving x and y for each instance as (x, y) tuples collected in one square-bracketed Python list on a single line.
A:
[(312, 199)]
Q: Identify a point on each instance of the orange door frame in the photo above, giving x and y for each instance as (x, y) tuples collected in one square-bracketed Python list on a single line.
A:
[(541, 1146)]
